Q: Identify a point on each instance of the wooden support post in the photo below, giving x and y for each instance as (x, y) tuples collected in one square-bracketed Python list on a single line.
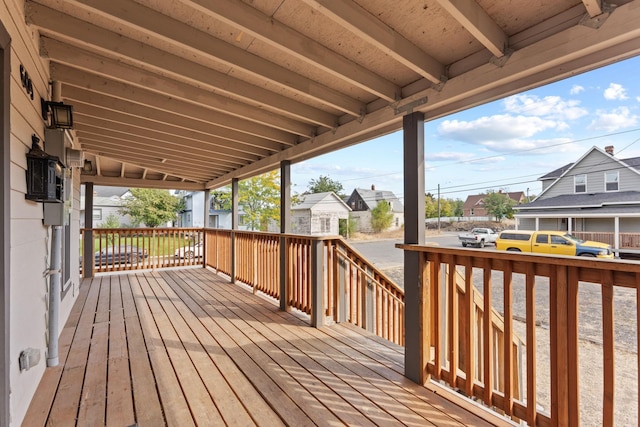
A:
[(413, 165), (285, 228), (87, 243), (234, 226), (317, 291)]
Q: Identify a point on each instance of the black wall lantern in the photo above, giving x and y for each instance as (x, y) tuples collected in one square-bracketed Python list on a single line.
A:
[(44, 175), (61, 115)]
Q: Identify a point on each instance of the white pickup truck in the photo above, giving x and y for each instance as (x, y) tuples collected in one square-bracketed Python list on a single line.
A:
[(478, 237)]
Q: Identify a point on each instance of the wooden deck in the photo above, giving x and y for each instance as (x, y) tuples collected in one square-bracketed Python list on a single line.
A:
[(185, 347)]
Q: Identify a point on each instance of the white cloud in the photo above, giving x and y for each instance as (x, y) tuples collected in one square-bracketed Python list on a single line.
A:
[(503, 132), (450, 156), (553, 107), (614, 92), (576, 89), (613, 120)]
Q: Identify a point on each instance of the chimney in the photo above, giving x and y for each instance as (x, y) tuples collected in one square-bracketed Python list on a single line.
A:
[(609, 149), (373, 187)]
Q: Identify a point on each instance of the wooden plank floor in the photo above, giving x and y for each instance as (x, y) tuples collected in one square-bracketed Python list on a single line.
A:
[(185, 347)]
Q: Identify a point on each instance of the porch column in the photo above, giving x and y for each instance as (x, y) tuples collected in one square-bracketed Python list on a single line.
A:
[(537, 224), (569, 225), (234, 226), (285, 227), (207, 202), (616, 235), (87, 241), (413, 131)]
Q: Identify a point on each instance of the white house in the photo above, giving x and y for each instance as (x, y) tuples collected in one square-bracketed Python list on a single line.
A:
[(319, 214)]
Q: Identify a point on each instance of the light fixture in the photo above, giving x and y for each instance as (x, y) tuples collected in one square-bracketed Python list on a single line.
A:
[(88, 166), (60, 115)]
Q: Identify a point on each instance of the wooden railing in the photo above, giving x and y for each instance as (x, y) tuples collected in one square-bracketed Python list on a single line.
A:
[(536, 290), (627, 240), (121, 249)]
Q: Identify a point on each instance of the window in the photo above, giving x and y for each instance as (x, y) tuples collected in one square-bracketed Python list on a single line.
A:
[(471, 212), (580, 183), (97, 214), (325, 225), (558, 240), (611, 181), (542, 238), (359, 204)]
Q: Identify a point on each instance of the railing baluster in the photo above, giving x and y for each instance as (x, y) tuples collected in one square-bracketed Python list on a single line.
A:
[(436, 318), (572, 342), (608, 346), (487, 334), (508, 338), (532, 391), (452, 321), (469, 336)]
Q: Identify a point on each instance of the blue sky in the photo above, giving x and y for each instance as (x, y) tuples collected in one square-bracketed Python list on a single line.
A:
[(506, 144)]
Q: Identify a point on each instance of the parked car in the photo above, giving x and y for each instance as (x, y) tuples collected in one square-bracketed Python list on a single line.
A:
[(190, 251), (124, 254), (551, 242), (478, 237)]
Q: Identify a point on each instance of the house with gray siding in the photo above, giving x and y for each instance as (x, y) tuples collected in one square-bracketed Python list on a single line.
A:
[(362, 201), (597, 193)]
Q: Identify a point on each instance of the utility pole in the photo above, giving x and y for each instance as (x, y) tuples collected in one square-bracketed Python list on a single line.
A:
[(438, 208)]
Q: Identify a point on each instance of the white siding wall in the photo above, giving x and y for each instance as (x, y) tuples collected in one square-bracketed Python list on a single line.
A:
[(29, 252), (301, 222), (629, 225)]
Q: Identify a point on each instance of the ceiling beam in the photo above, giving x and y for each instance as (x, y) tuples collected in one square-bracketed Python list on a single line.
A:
[(274, 33), (163, 138), (561, 55), (141, 183), (136, 158), (162, 148), (135, 150), (165, 28), (113, 94), (72, 30), (180, 126), (478, 23), (366, 26), (594, 7), (80, 64)]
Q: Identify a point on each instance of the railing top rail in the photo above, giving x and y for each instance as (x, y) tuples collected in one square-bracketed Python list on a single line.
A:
[(143, 229), (559, 260), (364, 259)]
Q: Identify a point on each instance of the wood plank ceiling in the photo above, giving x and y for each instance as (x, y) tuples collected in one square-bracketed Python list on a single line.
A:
[(190, 94)]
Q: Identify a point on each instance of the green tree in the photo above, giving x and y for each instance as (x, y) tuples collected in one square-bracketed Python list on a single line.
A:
[(346, 226), (325, 184), (499, 205), (457, 210), (381, 216), (446, 208), (111, 221), (152, 207), (221, 198), (259, 197), (430, 207)]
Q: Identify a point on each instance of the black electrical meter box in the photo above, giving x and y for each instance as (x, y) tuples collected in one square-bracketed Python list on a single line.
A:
[(45, 175)]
